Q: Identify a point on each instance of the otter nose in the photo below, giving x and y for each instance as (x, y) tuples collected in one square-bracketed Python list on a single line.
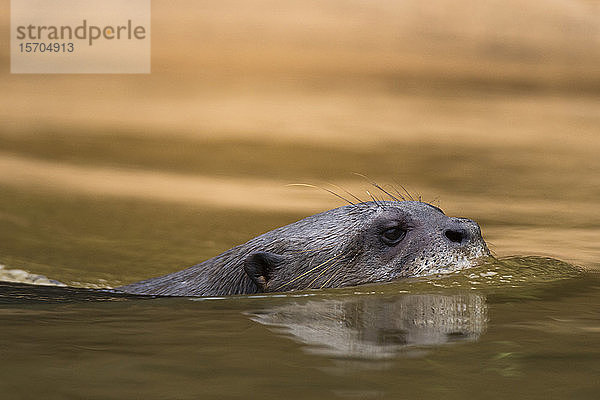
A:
[(461, 230), (456, 235)]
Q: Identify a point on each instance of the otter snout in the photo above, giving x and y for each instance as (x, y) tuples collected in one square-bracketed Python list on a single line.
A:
[(462, 231)]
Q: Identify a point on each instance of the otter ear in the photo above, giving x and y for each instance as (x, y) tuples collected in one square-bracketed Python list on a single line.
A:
[(260, 266)]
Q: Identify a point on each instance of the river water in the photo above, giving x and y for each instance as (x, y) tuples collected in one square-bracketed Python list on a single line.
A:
[(527, 326), (110, 179)]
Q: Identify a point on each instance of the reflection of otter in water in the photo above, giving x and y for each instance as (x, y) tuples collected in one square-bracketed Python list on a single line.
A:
[(377, 241), (374, 327)]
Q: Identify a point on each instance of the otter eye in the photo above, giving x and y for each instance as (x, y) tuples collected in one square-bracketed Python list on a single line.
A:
[(393, 236)]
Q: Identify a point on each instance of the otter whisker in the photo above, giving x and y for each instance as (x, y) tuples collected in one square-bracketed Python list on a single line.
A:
[(398, 193), (373, 198), (347, 192), (372, 182), (321, 273), (385, 191), (322, 188), (330, 278), (305, 273), (336, 272), (407, 192)]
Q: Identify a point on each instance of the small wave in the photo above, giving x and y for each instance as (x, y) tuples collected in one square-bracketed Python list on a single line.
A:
[(21, 276)]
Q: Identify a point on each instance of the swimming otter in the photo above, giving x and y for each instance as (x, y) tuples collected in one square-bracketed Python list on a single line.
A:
[(377, 241)]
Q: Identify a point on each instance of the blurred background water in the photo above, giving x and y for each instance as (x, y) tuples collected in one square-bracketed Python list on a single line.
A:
[(490, 110)]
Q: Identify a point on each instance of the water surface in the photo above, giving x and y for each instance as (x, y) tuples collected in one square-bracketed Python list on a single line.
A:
[(104, 210), (529, 332)]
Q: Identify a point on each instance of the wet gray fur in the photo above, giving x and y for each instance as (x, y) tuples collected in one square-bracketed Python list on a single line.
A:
[(336, 248)]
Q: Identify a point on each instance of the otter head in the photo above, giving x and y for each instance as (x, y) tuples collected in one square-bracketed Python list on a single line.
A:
[(363, 243)]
